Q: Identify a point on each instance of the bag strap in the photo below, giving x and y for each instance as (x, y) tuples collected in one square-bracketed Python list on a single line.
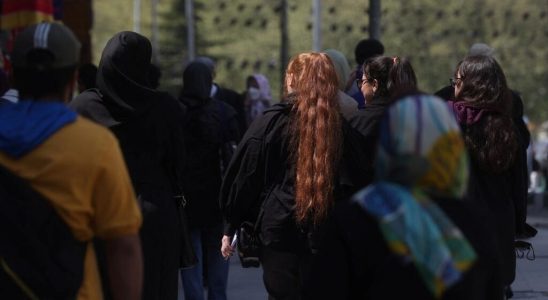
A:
[(18, 281), (28, 270)]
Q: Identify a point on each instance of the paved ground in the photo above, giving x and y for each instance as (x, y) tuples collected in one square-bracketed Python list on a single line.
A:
[(531, 276), (243, 284)]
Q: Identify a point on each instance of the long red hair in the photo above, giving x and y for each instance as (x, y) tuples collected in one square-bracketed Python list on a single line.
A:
[(316, 133)]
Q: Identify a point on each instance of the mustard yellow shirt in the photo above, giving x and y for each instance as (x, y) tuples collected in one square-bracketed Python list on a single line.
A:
[(81, 171)]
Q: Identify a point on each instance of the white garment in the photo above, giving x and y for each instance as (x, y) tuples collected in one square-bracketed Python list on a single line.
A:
[(12, 95)]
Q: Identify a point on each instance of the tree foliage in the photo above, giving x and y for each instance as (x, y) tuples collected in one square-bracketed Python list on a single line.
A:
[(243, 36)]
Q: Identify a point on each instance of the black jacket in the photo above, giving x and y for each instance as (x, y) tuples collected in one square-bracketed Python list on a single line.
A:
[(208, 125), (521, 176), (261, 174), (355, 263), (236, 101), (366, 122), (147, 124)]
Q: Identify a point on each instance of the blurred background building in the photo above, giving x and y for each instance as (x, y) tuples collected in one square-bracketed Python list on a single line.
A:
[(247, 36)]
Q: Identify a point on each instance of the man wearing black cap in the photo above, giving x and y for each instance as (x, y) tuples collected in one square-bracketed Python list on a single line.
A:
[(76, 167)]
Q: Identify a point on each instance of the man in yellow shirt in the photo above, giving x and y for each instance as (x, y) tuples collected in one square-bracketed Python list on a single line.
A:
[(73, 163)]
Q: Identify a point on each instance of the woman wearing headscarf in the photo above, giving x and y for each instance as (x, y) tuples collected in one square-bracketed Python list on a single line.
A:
[(483, 110), (209, 125), (347, 104), (294, 162), (147, 124), (257, 97), (408, 234)]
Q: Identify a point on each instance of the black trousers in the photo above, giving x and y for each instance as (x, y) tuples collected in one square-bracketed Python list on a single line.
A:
[(283, 273)]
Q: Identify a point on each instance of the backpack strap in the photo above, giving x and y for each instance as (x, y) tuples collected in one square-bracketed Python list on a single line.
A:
[(39, 254)]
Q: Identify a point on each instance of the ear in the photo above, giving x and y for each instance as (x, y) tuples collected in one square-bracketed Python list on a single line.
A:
[(375, 85)]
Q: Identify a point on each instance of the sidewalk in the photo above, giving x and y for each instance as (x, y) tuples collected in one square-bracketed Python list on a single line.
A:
[(532, 276), (244, 284)]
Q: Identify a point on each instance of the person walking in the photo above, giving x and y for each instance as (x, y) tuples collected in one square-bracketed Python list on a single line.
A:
[(482, 107), (383, 78), (294, 162), (257, 96), (148, 127), (346, 103), (364, 50), (410, 232), (210, 131), (54, 160)]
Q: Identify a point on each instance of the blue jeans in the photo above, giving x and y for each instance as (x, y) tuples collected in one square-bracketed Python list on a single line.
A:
[(217, 267)]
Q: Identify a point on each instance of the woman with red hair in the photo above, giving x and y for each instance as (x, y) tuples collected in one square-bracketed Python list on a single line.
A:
[(292, 165)]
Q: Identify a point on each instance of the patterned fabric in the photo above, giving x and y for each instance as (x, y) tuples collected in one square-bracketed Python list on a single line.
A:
[(420, 155), (22, 13)]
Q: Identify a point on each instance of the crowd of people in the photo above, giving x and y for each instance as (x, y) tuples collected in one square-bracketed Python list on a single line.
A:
[(355, 185)]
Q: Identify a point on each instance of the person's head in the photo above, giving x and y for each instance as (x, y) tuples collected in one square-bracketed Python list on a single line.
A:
[(154, 76), (341, 66), (315, 131), (481, 49), (383, 76), (197, 81), (480, 81), (128, 54), (366, 49), (480, 84), (258, 88), (209, 62), (429, 154), (86, 77), (44, 60)]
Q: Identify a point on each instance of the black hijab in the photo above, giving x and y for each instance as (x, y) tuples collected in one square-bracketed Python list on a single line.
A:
[(197, 81), (122, 75)]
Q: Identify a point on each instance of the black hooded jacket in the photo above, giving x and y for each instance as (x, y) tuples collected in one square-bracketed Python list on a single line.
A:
[(209, 124), (147, 124)]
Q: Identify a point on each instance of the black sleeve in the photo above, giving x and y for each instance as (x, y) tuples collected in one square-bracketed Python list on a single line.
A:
[(521, 179), (243, 183), (519, 189)]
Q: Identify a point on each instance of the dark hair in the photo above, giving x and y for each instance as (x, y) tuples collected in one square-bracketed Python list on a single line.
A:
[(367, 48), (39, 79), (392, 74), (86, 75), (492, 141)]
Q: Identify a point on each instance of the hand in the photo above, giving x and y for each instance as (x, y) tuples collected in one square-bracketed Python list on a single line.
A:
[(226, 248)]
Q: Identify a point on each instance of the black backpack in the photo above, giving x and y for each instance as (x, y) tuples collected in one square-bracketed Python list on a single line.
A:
[(39, 256)]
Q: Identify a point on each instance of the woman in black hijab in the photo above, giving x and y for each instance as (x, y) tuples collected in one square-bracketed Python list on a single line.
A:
[(147, 124)]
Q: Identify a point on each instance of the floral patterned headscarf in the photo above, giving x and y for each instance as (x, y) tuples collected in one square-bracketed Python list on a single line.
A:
[(420, 155)]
